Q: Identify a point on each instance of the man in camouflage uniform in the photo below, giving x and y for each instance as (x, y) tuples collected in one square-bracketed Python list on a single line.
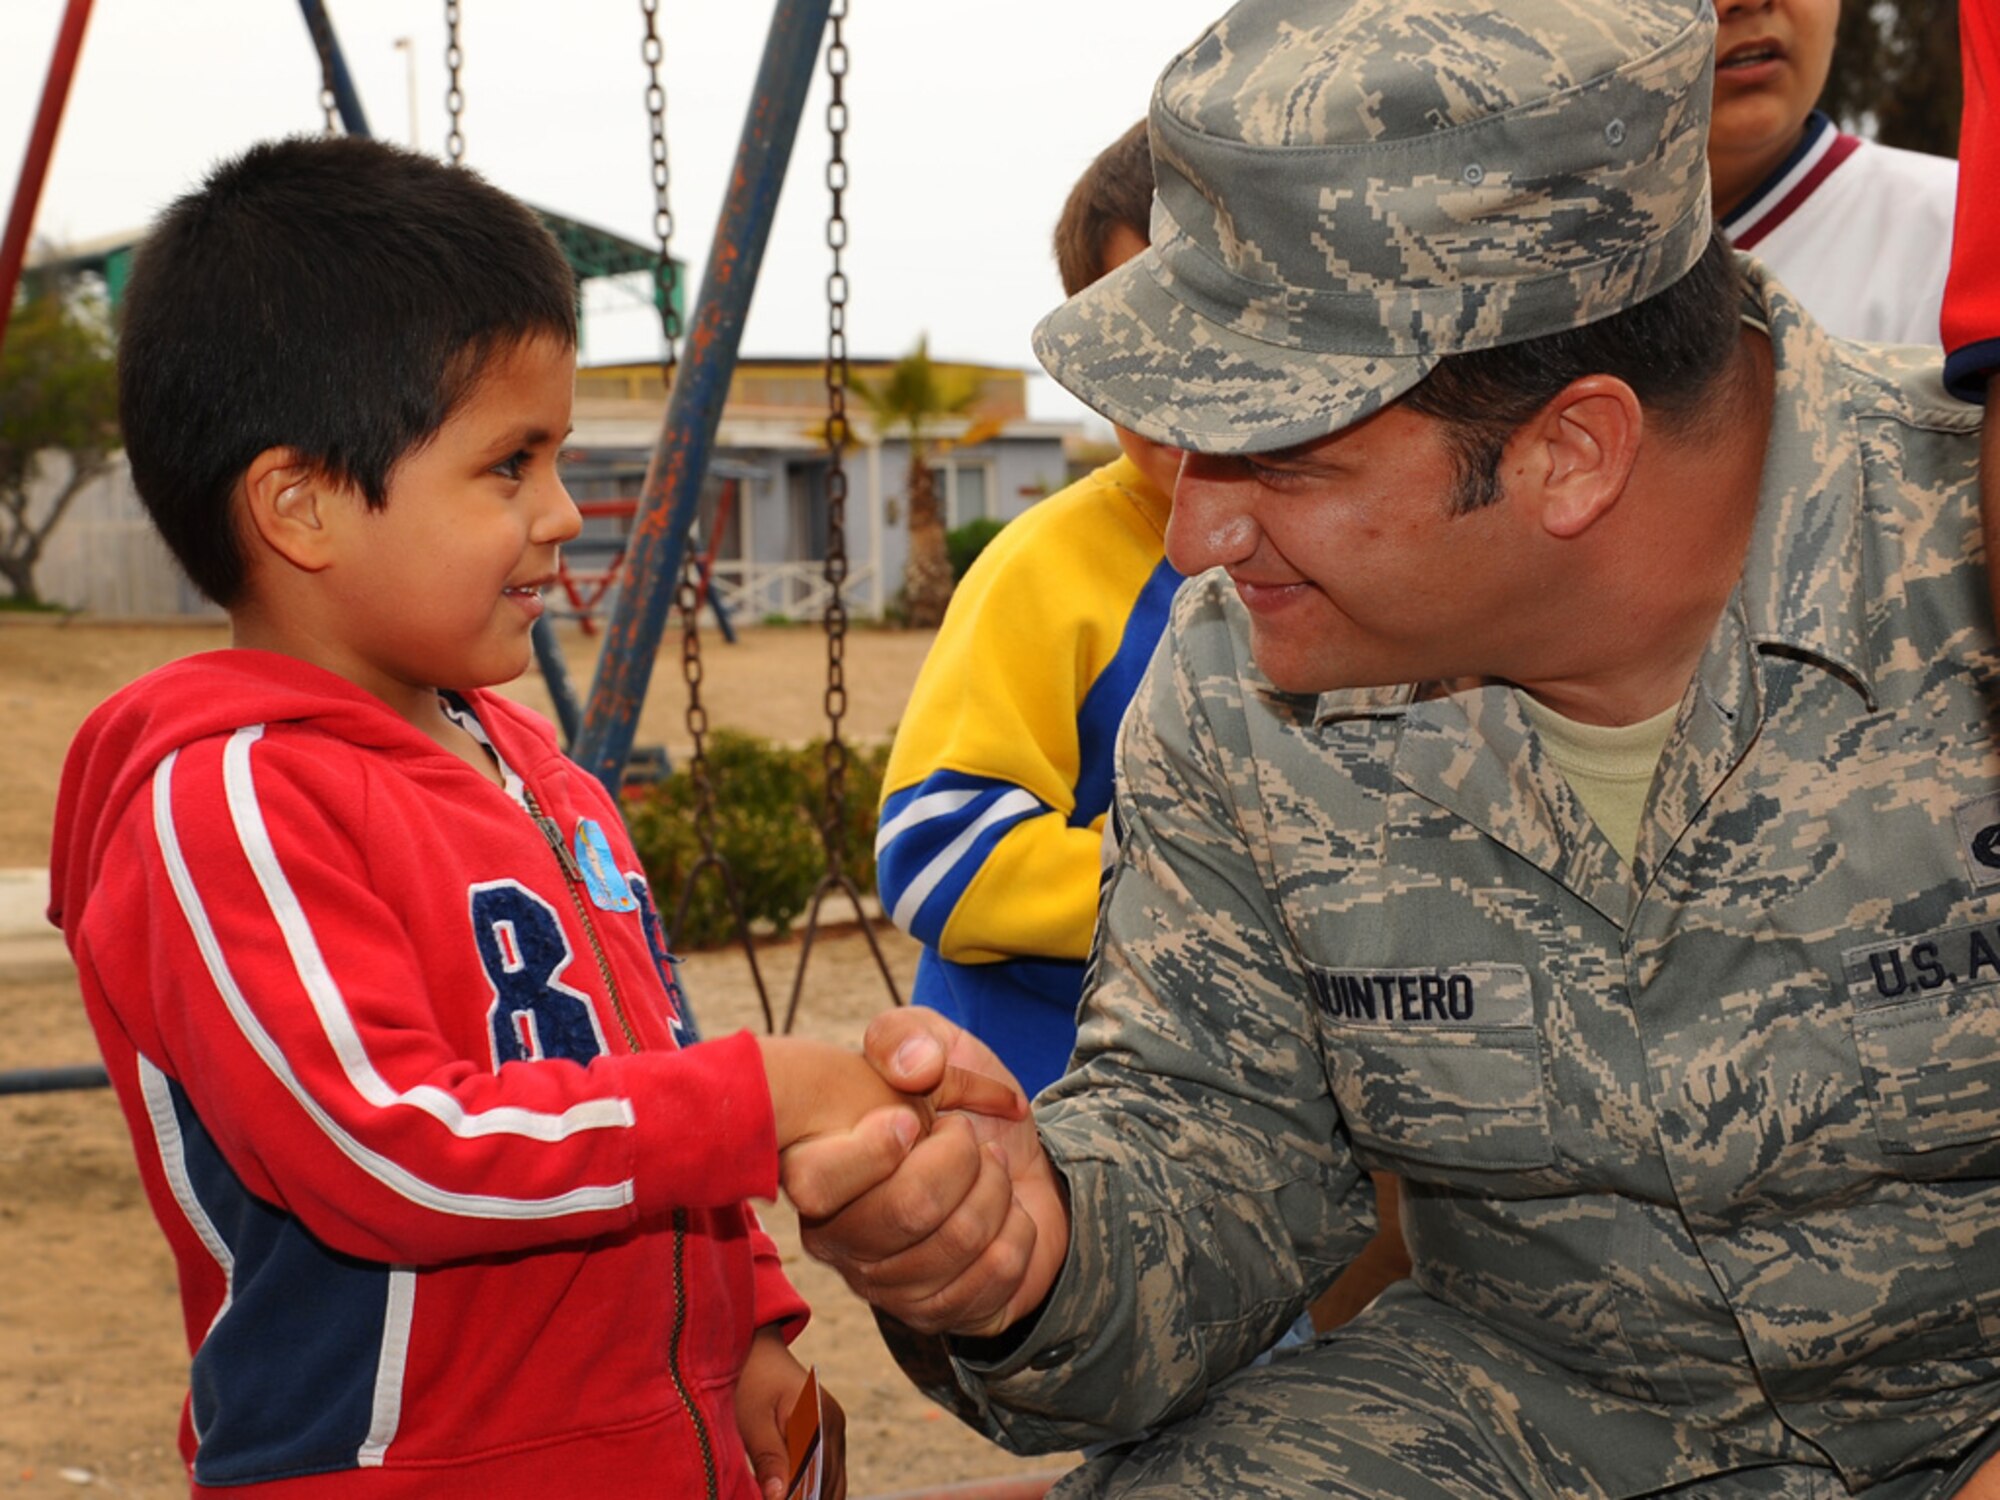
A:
[(1700, 1124)]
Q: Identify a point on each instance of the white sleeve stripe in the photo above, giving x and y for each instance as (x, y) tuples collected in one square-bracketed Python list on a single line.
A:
[(386, 1418), (933, 874), (922, 810), (392, 1175), (172, 1146), (331, 1006)]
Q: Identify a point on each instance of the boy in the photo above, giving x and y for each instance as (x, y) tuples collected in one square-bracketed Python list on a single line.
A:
[(372, 965), (997, 787), (1858, 232)]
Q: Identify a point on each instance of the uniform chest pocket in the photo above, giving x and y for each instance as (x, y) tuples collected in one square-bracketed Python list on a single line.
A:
[(1438, 1065), (1927, 1027)]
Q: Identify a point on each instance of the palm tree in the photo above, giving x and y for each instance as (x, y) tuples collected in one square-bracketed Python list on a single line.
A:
[(910, 400)]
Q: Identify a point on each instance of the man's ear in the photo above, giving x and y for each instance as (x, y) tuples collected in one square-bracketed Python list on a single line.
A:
[(1579, 451), (287, 503)]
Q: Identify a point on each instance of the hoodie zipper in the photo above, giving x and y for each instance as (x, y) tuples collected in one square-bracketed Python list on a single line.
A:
[(572, 880)]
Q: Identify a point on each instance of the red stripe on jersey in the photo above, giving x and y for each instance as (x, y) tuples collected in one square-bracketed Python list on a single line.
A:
[(1843, 147)]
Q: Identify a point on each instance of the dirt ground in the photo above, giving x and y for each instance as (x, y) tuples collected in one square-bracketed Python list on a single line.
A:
[(92, 1359)]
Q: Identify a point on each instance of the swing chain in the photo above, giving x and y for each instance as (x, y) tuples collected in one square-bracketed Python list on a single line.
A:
[(687, 594), (666, 275), (688, 599), (689, 591), (454, 97), (837, 437)]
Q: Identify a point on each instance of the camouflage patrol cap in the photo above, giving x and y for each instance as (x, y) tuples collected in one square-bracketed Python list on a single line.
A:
[(1350, 189)]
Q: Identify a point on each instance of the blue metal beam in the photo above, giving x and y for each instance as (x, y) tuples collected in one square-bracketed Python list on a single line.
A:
[(667, 504), (334, 65)]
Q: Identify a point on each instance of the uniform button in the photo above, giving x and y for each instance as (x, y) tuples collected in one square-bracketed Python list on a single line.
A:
[(1049, 1358)]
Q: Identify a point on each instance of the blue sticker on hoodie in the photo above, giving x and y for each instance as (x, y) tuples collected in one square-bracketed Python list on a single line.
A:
[(601, 877)]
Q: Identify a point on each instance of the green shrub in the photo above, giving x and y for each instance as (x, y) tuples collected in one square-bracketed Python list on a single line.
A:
[(964, 543), (768, 806)]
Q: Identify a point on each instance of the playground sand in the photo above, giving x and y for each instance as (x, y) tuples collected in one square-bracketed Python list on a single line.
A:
[(94, 1369)]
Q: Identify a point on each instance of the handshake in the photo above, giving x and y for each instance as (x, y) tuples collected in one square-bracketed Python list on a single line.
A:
[(917, 1173)]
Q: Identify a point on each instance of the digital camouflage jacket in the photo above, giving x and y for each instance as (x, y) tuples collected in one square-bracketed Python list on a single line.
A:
[(1706, 1149)]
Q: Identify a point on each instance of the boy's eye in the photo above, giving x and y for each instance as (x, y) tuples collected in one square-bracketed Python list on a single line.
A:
[(511, 466)]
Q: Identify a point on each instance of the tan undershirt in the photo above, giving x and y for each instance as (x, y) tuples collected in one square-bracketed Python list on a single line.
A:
[(1609, 767)]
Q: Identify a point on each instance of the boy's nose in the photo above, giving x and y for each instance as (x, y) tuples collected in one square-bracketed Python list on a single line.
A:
[(560, 520), (1211, 525)]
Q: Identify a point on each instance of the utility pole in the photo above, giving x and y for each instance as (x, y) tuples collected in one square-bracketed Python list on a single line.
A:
[(409, 50)]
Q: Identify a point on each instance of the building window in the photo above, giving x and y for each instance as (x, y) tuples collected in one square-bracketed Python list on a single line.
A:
[(964, 490)]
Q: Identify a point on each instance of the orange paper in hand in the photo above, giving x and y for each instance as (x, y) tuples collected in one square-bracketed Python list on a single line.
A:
[(803, 1450)]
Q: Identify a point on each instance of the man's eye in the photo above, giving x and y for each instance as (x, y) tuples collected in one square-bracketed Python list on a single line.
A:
[(1274, 477)]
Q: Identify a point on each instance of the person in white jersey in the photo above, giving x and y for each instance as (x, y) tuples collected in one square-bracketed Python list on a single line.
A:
[(1859, 232)]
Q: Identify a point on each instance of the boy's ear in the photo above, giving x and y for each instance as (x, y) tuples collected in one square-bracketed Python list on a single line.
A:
[(1579, 451), (287, 503)]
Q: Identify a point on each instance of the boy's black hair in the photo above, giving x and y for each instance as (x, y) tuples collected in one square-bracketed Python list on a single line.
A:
[(335, 295)]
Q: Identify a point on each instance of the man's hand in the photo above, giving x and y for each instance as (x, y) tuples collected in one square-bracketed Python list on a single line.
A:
[(765, 1392), (1984, 1484), (962, 1231)]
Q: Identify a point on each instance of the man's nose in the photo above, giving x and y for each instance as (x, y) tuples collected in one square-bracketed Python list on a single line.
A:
[(1211, 525)]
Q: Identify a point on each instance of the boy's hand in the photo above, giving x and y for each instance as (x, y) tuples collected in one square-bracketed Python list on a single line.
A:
[(765, 1392), (962, 1232), (818, 1089)]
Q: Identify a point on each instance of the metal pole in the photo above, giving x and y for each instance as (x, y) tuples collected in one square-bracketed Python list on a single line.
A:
[(41, 146), (658, 545), (54, 1080), (555, 673), (320, 24)]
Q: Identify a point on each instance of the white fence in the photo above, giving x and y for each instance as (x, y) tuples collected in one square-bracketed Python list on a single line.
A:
[(105, 557), (751, 592)]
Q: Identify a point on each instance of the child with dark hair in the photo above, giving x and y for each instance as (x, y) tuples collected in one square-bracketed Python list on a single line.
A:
[(1858, 231), (457, 1207), (1000, 778)]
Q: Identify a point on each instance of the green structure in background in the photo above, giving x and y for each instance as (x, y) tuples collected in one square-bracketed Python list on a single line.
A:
[(593, 253)]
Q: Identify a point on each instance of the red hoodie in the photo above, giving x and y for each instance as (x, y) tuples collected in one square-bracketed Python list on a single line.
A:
[(1971, 320), (454, 1212)]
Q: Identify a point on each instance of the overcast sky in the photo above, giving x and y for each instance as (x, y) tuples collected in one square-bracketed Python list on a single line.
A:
[(967, 125)]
